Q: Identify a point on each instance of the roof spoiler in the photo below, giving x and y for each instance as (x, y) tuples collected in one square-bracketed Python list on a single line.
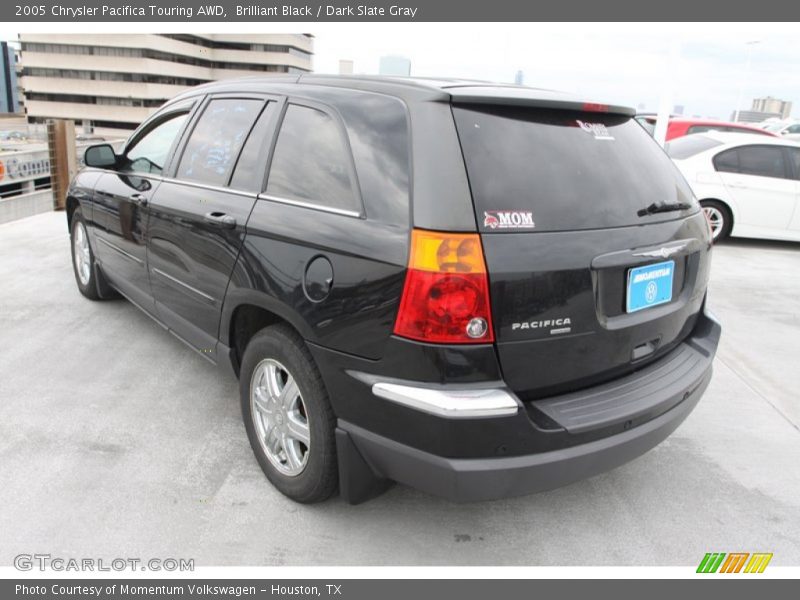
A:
[(514, 96)]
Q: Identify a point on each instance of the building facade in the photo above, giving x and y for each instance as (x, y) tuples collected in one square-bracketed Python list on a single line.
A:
[(753, 116), (111, 83), (771, 105)]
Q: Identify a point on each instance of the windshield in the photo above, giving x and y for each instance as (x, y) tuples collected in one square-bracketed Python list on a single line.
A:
[(558, 170)]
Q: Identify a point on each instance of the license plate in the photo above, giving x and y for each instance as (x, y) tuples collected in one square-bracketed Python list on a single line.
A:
[(650, 286)]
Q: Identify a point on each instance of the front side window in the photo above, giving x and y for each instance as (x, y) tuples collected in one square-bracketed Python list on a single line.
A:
[(216, 140), (762, 161), (149, 153), (311, 162)]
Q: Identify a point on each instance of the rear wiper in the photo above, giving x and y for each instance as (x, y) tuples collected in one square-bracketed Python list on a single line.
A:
[(661, 207)]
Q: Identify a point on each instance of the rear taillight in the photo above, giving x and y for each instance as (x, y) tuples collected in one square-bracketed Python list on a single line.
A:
[(446, 294)]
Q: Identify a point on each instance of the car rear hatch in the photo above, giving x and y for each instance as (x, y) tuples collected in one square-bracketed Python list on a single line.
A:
[(586, 285)]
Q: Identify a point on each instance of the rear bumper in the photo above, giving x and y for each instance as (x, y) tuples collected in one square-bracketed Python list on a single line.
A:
[(670, 394)]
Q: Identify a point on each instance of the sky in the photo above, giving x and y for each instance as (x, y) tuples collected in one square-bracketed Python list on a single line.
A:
[(700, 66)]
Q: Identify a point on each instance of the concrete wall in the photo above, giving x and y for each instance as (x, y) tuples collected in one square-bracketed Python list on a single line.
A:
[(25, 205)]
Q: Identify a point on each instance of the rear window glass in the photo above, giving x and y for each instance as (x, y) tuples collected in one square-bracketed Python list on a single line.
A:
[(703, 128), (688, 146), (556, 170)]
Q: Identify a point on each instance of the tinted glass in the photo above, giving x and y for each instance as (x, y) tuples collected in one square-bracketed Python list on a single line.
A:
[(795, 154), (687, 146), (251, 166), (793, 129), (215, 142), (702, 128), (765, 161), (571, 170), (150, 153), (311, 162), (648, 124), (744, 130), (727, 161)]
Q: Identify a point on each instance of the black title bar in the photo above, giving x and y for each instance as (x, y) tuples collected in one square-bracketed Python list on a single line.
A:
[(78, 11)]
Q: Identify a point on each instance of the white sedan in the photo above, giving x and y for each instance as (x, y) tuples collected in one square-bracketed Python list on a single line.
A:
[(789, 128), (749, 186)]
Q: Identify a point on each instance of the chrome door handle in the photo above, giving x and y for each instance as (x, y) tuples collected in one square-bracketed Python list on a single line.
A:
[(220, 220), (139, 199)]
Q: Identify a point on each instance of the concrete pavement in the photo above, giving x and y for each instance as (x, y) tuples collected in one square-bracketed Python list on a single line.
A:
[(117, 441)]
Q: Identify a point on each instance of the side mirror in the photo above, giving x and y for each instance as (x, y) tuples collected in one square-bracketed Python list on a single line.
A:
[(100, 156)]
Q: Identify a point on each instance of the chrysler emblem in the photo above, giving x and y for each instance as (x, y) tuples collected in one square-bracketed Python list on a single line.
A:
[(664, 252)]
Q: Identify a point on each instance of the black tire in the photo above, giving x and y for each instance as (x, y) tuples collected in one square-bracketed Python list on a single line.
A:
[(87, 287), (722, 212), (320, 476)]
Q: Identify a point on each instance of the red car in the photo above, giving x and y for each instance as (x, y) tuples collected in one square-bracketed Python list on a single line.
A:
[(679, 126)]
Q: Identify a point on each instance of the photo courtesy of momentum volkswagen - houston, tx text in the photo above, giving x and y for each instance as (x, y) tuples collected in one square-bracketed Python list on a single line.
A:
[(369, 289)]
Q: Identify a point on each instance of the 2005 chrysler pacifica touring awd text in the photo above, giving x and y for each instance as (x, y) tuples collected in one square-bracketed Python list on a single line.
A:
[(476, 290)]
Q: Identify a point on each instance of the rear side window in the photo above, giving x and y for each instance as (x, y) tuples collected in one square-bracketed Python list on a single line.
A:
[(216, 140), (795, 154), (762, 161), (565, 170), (312, 162), (727, 162), (690, 145)]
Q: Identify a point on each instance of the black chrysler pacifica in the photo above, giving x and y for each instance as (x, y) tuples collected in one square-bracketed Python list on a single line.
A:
[(477, 290)]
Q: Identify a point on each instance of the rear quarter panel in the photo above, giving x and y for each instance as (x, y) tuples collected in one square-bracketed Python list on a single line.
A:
[(368, 253)]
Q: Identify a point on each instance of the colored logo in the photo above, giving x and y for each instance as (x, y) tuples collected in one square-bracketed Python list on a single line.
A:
[(734, 562)]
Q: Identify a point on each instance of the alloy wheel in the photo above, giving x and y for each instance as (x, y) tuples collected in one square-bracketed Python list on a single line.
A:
[(280, 417), (716, 220), (81, 254)]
